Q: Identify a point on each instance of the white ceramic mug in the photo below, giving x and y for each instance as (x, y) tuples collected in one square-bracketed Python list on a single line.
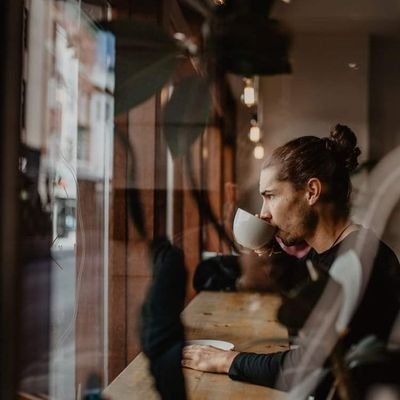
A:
[(250, 231)]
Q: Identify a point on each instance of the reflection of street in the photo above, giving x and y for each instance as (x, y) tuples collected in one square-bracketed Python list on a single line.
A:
[(69, 132), (62, 358)]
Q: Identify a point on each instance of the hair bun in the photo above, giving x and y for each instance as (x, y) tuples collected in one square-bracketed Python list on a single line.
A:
[(345, 144)]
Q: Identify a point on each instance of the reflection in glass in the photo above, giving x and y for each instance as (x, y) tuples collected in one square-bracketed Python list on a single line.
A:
[(69, 125)]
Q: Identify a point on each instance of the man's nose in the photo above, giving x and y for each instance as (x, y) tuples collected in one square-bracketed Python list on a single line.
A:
[(265, 213)]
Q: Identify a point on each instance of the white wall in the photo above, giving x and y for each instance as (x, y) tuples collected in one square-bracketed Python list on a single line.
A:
[(322, 90)]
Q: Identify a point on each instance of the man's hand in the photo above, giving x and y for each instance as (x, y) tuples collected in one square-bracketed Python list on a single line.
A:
[(207, 358)]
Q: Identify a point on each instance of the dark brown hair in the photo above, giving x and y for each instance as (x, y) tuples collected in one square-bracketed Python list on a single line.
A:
[(330, 159)]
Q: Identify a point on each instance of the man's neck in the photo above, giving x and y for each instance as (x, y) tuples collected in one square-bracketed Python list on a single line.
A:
[(329, 233)]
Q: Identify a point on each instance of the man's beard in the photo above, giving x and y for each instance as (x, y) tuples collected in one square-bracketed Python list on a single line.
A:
[(308, 224), (291, 240)]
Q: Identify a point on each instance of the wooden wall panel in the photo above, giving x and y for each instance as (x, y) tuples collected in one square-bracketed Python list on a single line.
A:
[(140, 168), (138, 276), (191, 226), (89, 323), (229, 194), (213, 184), (177, 224), (141, 177), (117, 316), (134, 170)]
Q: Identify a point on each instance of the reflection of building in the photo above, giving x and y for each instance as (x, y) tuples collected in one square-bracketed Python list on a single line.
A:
[(69, 78), (96, 111)]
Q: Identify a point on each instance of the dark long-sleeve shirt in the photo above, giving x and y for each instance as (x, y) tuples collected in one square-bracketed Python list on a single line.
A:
[(374, 315)]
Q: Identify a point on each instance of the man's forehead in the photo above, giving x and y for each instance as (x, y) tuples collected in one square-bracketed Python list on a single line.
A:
[(268, 179)]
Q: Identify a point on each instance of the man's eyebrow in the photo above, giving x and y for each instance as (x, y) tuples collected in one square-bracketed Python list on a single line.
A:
[(266, 191)]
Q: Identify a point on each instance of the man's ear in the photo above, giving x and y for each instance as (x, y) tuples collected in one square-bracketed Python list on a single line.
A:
[(313, 190)]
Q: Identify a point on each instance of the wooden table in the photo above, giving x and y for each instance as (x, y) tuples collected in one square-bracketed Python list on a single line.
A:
[(247, 320)]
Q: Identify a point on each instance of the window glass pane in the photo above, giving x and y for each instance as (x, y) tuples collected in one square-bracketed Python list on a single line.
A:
[(68, 142), (149, 122)]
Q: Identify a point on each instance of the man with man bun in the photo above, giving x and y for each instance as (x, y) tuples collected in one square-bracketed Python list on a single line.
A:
[(305, 188)]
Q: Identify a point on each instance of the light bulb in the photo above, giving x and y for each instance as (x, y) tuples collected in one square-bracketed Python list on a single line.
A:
[(249, 93), (258, 152), (249, 96), (255, 133)]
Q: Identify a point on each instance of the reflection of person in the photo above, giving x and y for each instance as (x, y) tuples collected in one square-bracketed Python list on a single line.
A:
[(305, 186), (268, 269), (162, 334)]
